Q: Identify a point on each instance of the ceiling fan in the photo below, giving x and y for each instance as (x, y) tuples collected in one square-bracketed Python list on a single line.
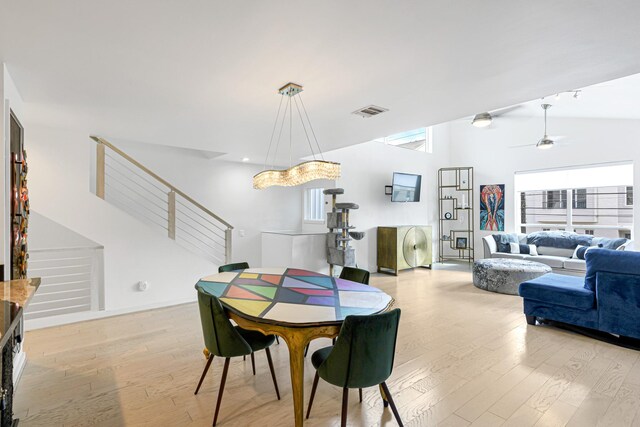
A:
[(546, 142), (482, 120)]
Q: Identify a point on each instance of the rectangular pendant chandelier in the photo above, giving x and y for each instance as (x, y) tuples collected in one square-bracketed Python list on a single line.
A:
[(302, 172)]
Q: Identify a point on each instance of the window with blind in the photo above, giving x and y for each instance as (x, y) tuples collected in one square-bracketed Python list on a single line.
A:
[(314, 205)]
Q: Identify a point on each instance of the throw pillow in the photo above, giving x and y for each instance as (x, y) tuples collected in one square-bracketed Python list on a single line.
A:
[(503, 240), (514, 248), (533, 250), (581, 251)]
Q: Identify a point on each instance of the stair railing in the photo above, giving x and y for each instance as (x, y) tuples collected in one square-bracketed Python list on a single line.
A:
[(131, 186)]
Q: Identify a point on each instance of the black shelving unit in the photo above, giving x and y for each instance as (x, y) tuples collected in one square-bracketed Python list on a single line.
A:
[(456, 213)]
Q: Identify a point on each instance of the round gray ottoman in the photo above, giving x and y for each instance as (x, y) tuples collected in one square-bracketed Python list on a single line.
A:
[(504, 275)]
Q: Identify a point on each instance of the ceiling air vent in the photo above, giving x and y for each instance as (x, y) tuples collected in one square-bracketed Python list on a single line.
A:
[(370, 111)]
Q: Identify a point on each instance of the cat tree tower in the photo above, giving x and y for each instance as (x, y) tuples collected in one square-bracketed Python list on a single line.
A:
[(339, 252)]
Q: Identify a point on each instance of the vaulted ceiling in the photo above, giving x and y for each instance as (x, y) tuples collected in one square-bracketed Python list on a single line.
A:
[(203, 74)]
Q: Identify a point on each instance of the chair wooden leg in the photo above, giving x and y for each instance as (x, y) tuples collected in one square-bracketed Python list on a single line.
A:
[(392, 404), (345, 404), (222, 382), (360, 394), (204, 373), (273, 372), (313, 393), (306, 350), (253, 363)]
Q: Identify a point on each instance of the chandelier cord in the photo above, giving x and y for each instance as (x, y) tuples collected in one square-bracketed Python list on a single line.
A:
[(290, 132), (284, 116), (311, 126), (304, 127), (273, 132)]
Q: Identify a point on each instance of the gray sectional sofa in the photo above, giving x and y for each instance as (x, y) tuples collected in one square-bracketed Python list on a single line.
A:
[(554, 248)]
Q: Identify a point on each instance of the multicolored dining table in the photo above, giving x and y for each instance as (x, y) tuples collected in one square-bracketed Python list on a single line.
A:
[(297, 305)]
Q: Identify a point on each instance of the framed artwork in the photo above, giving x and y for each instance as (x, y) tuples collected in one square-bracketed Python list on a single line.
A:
[(461, 243), (492, 207)]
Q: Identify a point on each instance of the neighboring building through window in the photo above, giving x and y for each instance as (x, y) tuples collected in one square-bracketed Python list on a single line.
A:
[(594, 200), (555, 199), (314, 205), (580, 198)]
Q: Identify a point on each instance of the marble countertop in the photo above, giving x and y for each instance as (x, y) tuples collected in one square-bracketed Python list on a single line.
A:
[(16, 294)]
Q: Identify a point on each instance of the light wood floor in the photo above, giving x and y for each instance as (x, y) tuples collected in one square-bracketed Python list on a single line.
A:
[(464, 357)]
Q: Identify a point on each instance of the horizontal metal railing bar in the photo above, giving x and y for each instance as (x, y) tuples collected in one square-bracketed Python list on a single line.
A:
[(67, 275), (162, 208), (196, 237), (48, 285), (125, 207), (42, 260), (179, 202), (57, 309), (183, 217), (195, 246), (589, 226), (71, 248), (144, 177), (207, 251), (146, 189), (63, 293), (214, 239), (58, 267), (158, 178)]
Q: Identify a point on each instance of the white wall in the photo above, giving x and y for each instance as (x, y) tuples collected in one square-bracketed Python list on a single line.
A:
[(226, 188), (588, 141), (47, 234), (367, 168), (133, 251)]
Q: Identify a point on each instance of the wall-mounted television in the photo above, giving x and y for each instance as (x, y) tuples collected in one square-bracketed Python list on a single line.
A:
[(406, 187)]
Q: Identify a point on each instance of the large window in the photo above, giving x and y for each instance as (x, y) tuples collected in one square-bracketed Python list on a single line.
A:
[(313, 205), (603, 207)]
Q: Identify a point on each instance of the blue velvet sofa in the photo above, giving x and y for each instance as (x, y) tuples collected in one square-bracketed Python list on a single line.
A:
[(606, 299)]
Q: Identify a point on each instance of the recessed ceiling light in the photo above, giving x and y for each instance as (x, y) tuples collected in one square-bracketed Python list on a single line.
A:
[(245, 159)]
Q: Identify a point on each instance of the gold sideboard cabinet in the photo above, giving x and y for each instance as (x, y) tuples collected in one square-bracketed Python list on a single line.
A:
[(403, 247)]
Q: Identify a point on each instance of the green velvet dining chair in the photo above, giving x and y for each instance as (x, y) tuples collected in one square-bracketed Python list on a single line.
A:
[(353, 274), (362, 357), (222, 339), (233, 267)]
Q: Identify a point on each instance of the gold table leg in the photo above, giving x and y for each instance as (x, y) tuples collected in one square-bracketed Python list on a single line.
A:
[(296, 339)]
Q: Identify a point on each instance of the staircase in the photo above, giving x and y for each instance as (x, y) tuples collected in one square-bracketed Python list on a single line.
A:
[(132, 187)]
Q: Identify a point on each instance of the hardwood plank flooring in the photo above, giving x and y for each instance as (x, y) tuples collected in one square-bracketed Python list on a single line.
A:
[(465, 357)]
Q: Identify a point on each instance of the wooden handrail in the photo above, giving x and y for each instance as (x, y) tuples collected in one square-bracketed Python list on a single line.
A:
[(133, 161)]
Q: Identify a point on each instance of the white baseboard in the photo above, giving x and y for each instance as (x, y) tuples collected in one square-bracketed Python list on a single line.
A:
[(65, 319), (19, 362)]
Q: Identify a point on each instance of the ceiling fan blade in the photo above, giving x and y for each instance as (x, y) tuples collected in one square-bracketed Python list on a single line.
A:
[(522, 146), (505, 110)]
